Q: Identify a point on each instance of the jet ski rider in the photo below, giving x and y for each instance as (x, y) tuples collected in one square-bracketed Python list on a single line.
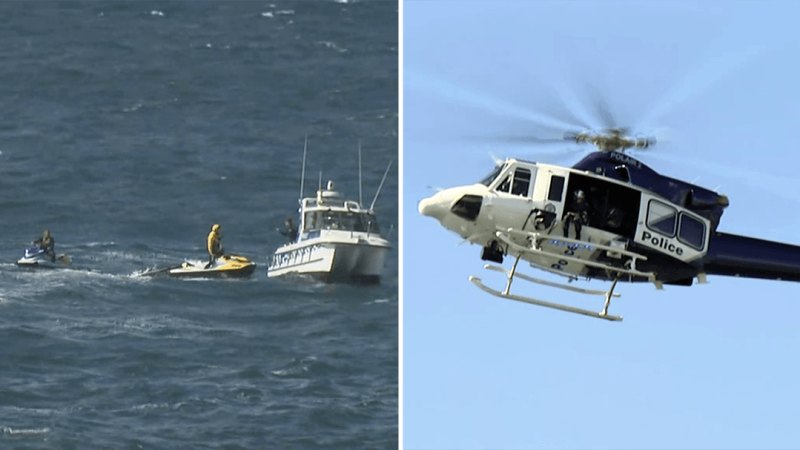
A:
[(214, 245), (48, 244)]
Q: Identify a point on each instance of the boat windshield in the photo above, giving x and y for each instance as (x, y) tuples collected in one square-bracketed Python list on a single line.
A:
[(341, 220), (489, 178)]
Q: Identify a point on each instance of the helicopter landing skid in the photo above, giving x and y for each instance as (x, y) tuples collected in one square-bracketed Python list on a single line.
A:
[(506, 293)]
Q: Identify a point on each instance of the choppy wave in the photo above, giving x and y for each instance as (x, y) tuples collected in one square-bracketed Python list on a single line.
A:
[(297, 367), (332, 45)]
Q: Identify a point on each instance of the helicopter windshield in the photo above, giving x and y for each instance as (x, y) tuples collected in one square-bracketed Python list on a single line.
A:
[(491, 177)]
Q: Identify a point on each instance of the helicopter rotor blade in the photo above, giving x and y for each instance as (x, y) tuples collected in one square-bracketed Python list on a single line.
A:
[(781, 186), (486, 104), (519, 139), (698, 80), (602, 111), (575, 108)]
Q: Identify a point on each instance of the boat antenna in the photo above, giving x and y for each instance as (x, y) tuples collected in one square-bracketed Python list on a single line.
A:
[(303, 171), (360, 200), (381, 185)]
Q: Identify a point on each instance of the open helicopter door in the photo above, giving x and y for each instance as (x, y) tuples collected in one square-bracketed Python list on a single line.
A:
[(612, 222)]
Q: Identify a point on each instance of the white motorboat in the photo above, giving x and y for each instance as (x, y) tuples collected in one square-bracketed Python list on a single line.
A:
[(337, 239)]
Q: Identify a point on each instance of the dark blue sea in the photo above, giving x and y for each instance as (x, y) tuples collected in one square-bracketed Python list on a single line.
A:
[(128, 129)]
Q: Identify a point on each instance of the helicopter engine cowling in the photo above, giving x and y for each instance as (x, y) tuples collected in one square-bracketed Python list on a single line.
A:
[(705, 199)]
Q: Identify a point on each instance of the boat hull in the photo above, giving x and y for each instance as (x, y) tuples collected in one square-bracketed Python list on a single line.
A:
[(357, 261)]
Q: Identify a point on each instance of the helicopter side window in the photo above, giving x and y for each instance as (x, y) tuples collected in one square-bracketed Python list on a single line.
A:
[(522, 181), (691, 232), (661, 217), (556, 188)]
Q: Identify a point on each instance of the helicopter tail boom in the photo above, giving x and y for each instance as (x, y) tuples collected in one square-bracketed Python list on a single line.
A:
[(744, 256)]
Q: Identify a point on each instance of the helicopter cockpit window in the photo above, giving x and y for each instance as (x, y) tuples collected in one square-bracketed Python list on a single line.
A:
[(491, 177), (691, 232), (505, 186), (522, 181), (661, 217)]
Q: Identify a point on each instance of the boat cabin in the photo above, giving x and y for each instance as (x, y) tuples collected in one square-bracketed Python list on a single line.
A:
[(330, 211)]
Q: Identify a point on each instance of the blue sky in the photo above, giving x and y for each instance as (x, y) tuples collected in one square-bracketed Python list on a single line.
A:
[(711, 366)]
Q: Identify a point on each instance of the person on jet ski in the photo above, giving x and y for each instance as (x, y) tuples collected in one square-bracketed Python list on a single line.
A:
[(48, 244), (214, 245)]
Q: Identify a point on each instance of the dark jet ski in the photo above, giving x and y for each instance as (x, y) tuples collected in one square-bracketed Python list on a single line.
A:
[(37, 257)]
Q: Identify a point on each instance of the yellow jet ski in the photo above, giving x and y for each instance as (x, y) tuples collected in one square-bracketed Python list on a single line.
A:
[(226, 266)]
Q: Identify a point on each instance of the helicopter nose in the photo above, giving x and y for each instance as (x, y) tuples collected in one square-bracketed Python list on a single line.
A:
[(435, 207), (455, 201)]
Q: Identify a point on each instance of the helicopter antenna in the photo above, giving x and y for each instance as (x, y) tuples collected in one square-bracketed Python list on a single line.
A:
[(497, 161), (303, 170), (372, 205)]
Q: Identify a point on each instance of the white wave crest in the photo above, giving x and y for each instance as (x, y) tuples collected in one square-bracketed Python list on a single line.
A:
[(332, 45), (24, 431)]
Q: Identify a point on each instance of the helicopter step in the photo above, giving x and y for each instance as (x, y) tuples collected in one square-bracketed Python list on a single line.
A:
[(627, 259), (511, 274)]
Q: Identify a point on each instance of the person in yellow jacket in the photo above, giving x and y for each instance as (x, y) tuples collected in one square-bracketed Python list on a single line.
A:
[(214, 245)]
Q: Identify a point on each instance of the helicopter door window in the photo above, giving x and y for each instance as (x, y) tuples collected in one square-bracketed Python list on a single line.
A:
[(556, 188), (661, 217), (522, 181), (505, 186), (691, 232)]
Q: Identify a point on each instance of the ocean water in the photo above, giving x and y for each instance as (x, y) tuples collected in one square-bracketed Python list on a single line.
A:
[(128, 128)]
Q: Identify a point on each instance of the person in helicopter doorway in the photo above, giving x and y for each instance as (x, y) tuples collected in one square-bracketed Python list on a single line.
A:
[(214, 245), (579, 214), (289, 229), (48, 244)]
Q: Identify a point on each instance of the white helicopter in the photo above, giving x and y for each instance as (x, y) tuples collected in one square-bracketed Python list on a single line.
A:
[(608, 217)]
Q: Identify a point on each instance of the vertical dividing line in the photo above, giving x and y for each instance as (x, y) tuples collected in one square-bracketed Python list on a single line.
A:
[(360, 200)]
